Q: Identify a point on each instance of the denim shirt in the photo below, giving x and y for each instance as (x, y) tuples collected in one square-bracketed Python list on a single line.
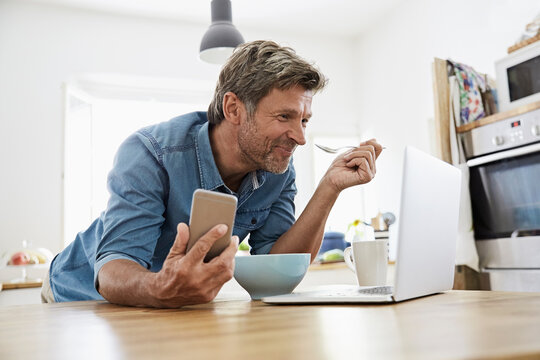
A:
[(155, 172)]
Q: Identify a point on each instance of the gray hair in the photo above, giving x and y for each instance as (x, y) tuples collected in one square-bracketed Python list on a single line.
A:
[(255, 68)]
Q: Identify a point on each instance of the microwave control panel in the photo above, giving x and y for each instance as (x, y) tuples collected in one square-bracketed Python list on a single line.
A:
[(505, 134)]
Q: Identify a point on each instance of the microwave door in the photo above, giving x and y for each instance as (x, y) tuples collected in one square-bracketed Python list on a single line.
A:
[(524, 79)]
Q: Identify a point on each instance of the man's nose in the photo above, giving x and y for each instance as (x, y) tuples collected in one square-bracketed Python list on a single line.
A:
[(297, 134)]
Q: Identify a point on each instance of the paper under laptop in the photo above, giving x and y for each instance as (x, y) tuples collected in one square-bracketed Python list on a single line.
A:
[(427, 235)]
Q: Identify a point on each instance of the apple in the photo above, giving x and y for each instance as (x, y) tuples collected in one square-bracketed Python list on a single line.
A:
[(333, 255), (19, 258)]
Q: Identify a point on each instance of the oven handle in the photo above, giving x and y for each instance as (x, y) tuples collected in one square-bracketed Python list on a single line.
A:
[(521, 233), (504, 154)]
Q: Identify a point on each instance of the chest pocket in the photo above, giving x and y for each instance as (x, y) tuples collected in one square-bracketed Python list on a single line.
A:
[(251, 219)]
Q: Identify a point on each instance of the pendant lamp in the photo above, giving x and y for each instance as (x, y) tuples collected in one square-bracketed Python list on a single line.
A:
[(222, 36)]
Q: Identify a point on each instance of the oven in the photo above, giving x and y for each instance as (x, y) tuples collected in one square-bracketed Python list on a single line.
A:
[(504, 167)]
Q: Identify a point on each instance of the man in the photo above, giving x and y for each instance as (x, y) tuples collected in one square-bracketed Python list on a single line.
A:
[(135, 252)]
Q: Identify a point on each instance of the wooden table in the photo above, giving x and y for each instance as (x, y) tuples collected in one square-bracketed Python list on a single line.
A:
[(454, 325)]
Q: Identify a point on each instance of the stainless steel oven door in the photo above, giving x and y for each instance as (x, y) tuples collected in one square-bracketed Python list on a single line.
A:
[(505, 198), (505, 193)]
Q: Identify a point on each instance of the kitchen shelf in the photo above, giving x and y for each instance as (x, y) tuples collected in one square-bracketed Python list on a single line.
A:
[(523, 43), (498, 117)]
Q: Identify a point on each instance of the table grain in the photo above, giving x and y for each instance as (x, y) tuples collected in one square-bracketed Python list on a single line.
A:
[(452, 325)]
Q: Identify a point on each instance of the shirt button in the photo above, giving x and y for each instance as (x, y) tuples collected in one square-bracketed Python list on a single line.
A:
[(253, 221)]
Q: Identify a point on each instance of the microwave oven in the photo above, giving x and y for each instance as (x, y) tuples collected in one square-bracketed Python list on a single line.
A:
[(518, 77)]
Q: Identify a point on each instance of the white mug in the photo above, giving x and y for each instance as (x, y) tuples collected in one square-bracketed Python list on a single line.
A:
[(369, 260)]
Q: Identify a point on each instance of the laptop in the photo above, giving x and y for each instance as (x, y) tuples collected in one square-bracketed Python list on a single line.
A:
[(427, 235)]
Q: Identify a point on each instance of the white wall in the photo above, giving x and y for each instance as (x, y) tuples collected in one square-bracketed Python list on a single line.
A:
[(43, 46), (393, 73), (380, 85), (40, 48)]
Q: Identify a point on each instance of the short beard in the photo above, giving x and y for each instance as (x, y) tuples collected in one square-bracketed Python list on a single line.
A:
[(254, 152)]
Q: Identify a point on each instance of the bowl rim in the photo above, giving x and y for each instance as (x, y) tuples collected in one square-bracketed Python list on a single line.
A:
[(270, 255)]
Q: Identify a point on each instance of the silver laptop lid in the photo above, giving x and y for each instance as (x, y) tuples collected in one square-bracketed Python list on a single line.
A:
[(428, 226)]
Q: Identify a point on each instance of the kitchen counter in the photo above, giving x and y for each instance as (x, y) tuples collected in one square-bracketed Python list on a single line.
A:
[(452, 325), (326, 274)]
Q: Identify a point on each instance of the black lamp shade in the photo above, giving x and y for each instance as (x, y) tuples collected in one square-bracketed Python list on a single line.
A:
[(222, 37)]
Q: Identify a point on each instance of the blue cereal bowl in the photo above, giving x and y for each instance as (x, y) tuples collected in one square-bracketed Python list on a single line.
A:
[(272, 274)]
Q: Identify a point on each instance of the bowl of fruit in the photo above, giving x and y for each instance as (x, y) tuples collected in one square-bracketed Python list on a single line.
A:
[(25, 263), (30, 257)]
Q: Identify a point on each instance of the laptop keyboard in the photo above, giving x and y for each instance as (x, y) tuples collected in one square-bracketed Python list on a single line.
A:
[(378, 290)]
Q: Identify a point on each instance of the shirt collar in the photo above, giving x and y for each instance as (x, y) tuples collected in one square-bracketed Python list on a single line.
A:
[(209, 173)]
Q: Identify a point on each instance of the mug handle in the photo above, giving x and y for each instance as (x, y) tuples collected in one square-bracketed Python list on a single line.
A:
[(347, 256)]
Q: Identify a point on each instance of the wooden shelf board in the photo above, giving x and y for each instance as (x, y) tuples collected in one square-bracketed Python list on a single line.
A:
[(498, 117), (21, 285), (523, 43)]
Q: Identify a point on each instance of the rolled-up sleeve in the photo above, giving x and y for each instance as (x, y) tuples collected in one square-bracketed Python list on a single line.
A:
[(280, 218), (138, 186)]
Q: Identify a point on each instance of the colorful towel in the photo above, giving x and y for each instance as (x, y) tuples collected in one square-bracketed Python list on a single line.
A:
[(471, 84)]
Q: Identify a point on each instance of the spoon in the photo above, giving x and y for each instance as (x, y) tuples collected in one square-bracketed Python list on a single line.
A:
[(335, 150)]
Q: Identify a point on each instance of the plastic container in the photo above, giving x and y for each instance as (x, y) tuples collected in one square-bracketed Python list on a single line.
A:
[(333, 240)]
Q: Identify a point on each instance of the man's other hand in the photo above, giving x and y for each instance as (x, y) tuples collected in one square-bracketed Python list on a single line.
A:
[(185, 278), (354, 167)]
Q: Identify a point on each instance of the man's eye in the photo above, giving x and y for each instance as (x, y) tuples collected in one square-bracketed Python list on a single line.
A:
[(283, 117), (305, 121)]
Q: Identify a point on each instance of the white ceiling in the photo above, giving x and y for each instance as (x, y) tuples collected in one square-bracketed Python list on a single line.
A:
[(338, 17)]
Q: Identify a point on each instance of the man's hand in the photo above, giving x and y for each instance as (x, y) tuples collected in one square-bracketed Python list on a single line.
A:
[(348, 169), (185, 278), (354, 167)]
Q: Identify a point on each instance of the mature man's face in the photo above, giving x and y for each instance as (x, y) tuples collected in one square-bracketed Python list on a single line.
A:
[(269, 138)]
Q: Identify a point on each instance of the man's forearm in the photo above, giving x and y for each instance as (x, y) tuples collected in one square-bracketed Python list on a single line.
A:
[(306, 233), (184, 279), (127, 283)]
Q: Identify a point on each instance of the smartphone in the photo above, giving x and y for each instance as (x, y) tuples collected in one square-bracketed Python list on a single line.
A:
[(208, 209)]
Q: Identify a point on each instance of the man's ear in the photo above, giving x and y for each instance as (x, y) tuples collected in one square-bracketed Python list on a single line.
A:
[(233, 108)]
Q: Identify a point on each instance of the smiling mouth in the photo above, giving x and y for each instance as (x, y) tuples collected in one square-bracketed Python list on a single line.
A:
[(285, 150)]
